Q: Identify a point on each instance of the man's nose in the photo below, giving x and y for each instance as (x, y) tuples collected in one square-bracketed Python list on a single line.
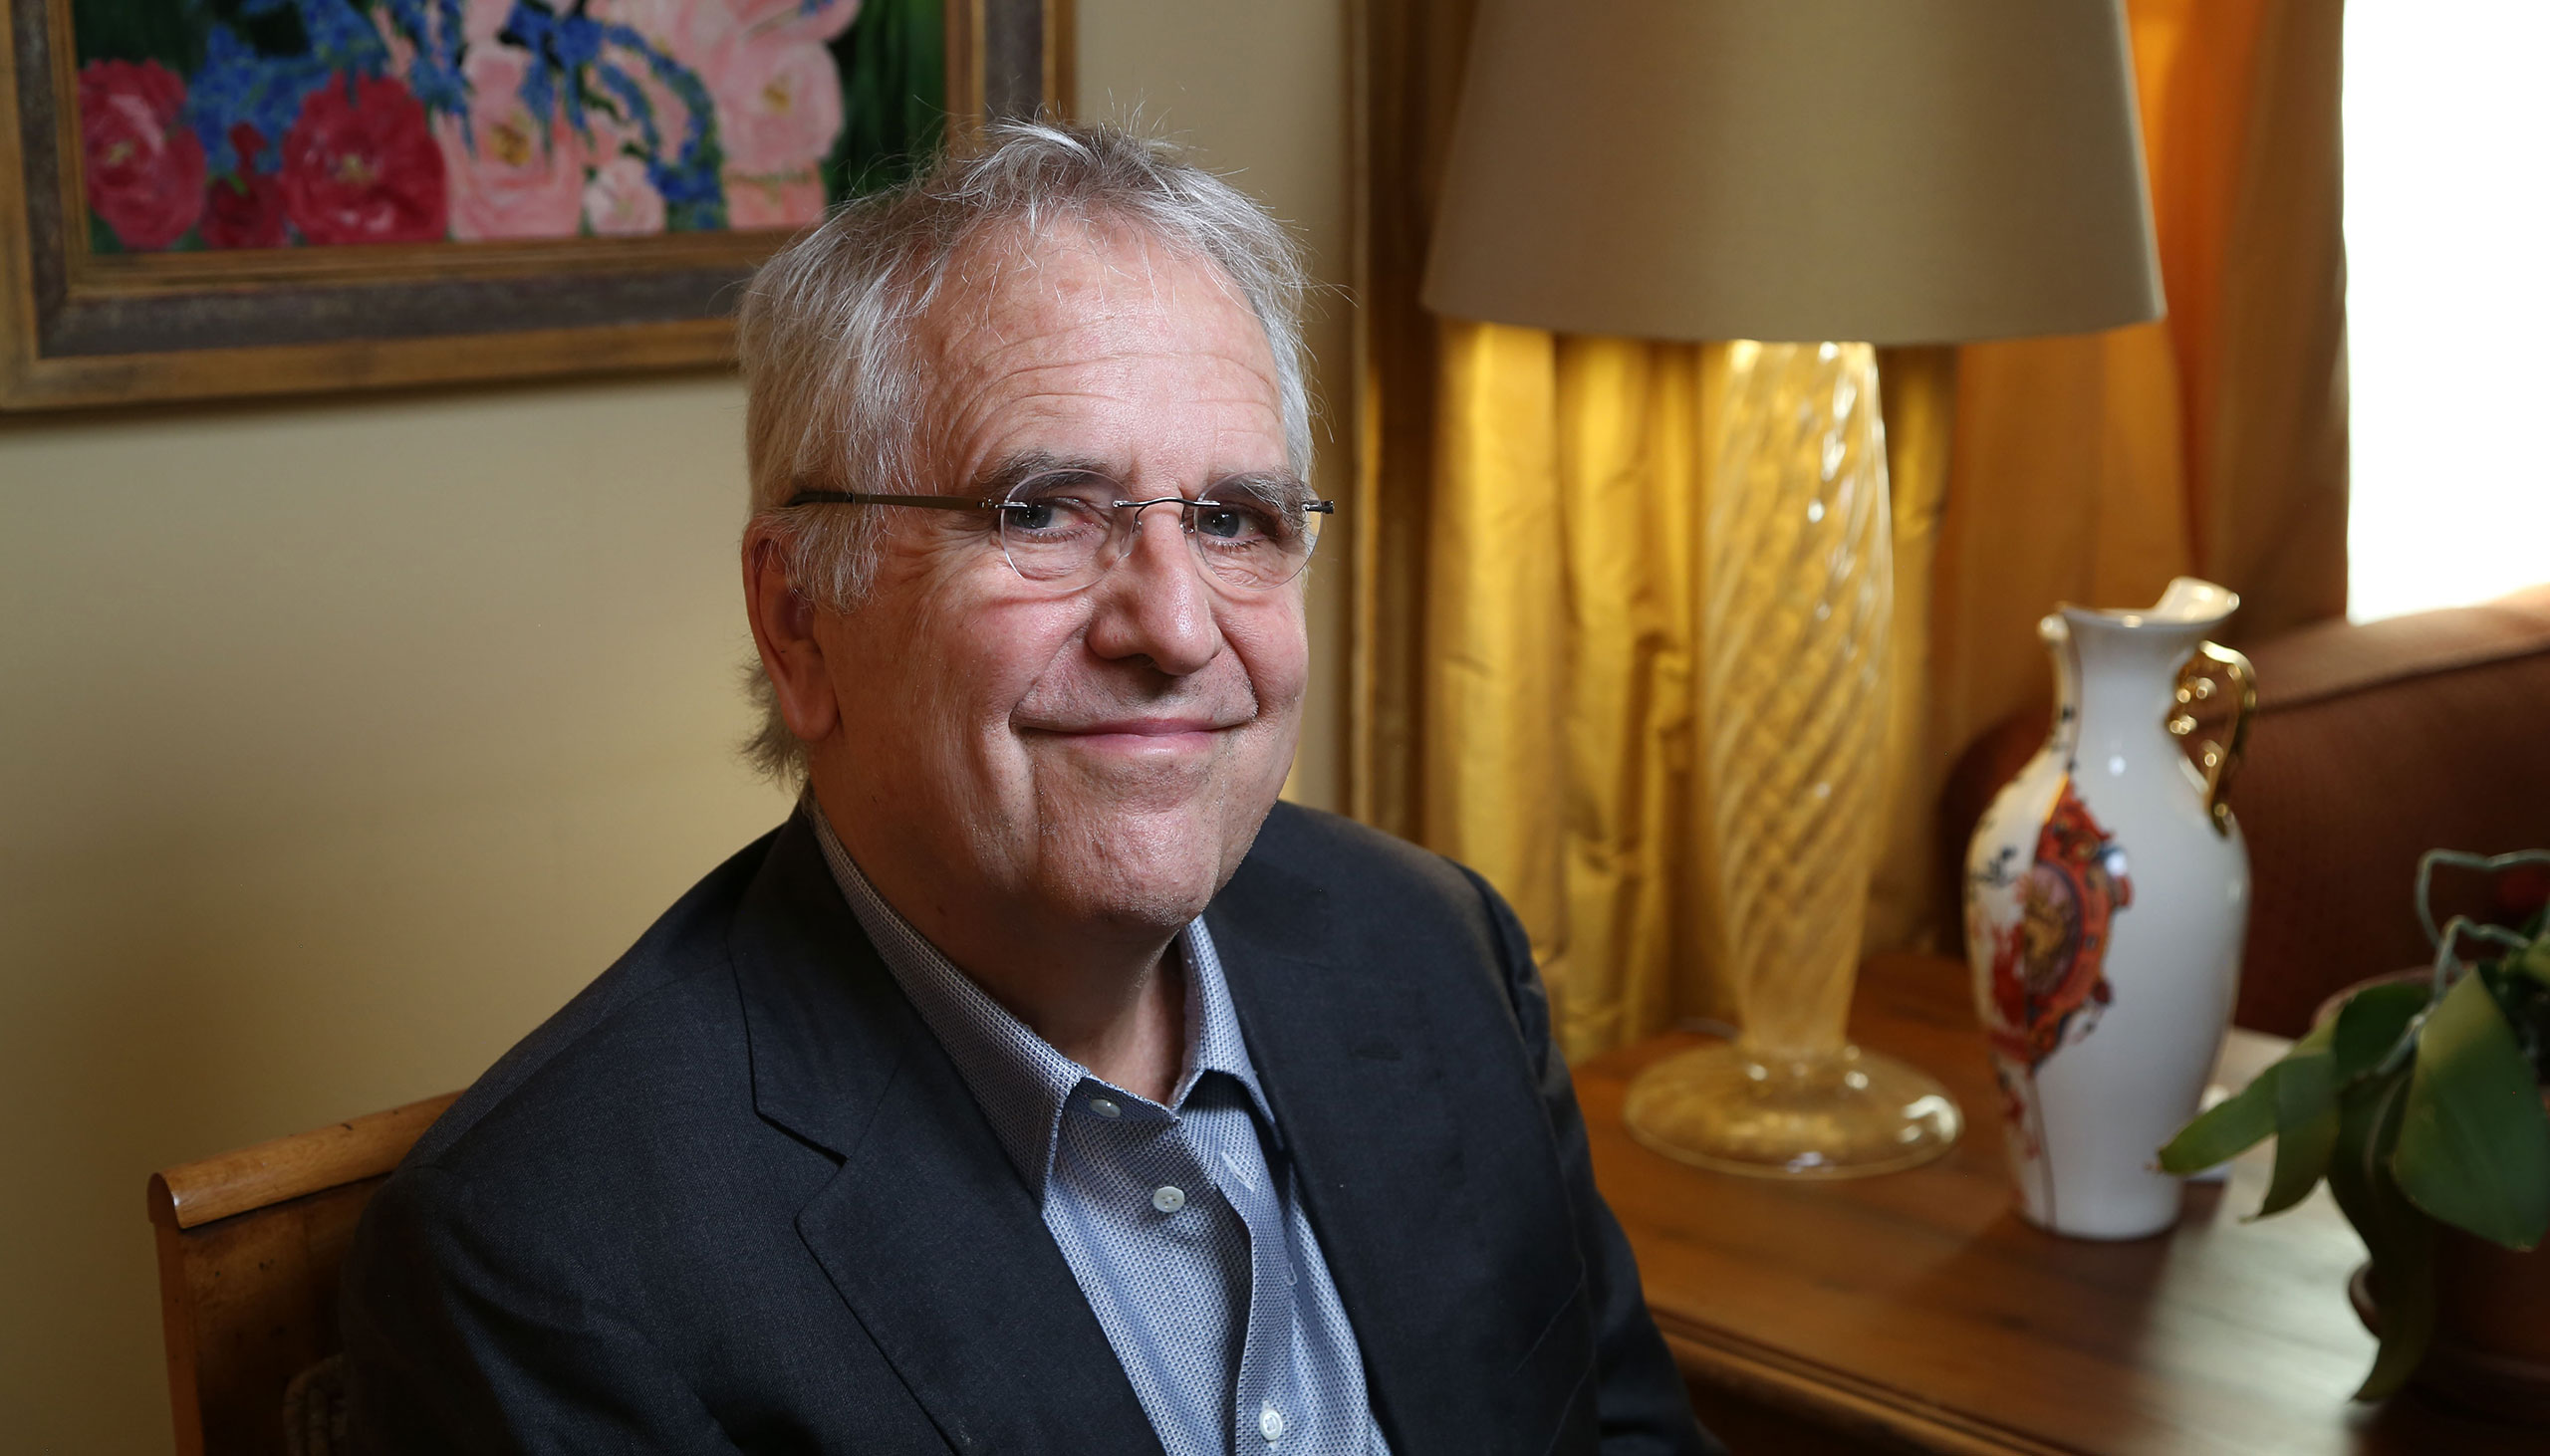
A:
[(1154, 601)]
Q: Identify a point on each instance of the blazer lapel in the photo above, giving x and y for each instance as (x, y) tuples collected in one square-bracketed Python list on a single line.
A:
[(1356, 1084), (925, 1231)]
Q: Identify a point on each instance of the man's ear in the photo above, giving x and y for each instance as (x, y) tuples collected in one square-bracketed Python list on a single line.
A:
[(783, 624)]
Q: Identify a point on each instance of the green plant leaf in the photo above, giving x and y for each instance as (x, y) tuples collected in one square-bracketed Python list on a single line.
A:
[(2372, 1023), (2352, 1162), (2474, 1147), (2306, 1122), (2535, 960), (2318, 1038), (2230, 1127), (2399, 1239)]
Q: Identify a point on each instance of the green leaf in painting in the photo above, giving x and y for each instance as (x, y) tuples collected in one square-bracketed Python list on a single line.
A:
[(2230, 1127), (2474, 1147), (2372, 1023), (2306, 1123), (894, 87), (170, 32)]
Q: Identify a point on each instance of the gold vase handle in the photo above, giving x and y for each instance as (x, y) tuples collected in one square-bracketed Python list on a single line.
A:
[(2195, 684)]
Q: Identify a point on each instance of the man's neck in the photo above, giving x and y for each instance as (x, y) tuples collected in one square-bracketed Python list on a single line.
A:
[(1113, 1003), (1133, 1036)]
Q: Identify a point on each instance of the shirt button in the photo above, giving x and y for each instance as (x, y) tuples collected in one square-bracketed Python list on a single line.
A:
[(1105, 1108), (1168, 1198), (1270, 1422)]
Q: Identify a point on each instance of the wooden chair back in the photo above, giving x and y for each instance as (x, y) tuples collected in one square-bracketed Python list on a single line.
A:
[(250, 1243)]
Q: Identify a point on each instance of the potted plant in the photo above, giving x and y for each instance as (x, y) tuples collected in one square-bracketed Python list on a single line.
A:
[(2421, 1102)]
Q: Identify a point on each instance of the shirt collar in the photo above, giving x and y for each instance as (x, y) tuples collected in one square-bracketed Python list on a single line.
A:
[(1020, 1079)]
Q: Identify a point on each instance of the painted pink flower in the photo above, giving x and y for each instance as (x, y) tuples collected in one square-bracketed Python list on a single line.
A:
[(143, 170), (689, 30), (682, 29), (620, 201), (778, 103), (481, 19), (673, 27), (774, 202), (513, 174), (616, 130)]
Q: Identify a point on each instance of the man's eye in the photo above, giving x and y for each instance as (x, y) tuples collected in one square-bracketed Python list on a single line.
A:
[(1240, 520), (1058, 515), (1225, 523), (1057, 506)]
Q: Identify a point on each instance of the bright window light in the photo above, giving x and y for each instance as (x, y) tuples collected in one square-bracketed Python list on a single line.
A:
[(2448, 189)]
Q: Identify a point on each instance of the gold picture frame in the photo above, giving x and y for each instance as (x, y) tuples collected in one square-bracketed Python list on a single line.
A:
[(86, 328)]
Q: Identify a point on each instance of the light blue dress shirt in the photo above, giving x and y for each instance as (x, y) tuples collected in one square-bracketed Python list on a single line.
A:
[(1181, 1222)]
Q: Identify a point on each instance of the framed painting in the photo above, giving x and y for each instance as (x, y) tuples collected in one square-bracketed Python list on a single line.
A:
[(206, 198)]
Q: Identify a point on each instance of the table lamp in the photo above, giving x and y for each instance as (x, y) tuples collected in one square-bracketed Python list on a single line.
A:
[(1803, 179)]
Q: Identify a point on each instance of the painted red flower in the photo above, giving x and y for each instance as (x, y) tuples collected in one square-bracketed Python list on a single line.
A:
[(144, 169), (360, 166), (245, 211)]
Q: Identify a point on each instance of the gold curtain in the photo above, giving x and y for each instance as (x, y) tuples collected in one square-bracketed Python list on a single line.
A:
[(1528, 507), (2213, 442)]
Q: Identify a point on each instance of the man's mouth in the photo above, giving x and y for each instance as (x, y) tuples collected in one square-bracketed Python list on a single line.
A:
[(1165, 736)]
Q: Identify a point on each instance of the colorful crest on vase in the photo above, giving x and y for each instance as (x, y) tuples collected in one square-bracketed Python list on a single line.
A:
[(2048, 979), (2049, 963)]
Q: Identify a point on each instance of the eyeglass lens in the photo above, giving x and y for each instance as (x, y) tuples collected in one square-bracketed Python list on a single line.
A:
[(1066, 529)]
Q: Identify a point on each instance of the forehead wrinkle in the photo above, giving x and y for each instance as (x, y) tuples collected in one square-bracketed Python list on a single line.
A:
[(1008, 326), (967, 412), (1239, 379), (1012, 299), (991, 265)]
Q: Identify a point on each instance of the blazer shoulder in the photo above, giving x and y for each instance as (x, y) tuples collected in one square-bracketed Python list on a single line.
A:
[(1336, 853), (1391, 903)]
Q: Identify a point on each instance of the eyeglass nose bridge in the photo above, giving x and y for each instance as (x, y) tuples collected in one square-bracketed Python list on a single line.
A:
[(1126, 529), (1185, 508)]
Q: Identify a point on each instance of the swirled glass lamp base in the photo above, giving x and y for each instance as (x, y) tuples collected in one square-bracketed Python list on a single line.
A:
[(1841, 1115), (1797, 621)]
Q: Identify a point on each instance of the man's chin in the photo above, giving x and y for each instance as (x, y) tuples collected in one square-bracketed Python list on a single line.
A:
[(1137, 872)]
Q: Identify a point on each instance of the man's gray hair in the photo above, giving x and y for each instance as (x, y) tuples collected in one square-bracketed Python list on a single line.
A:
[(829, 328)]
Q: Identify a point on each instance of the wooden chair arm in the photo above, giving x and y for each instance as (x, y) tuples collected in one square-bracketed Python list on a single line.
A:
[(196, 1193)]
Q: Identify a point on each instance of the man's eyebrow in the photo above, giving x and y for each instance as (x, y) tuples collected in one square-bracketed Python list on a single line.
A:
[(1273, 485), (1010, 472)]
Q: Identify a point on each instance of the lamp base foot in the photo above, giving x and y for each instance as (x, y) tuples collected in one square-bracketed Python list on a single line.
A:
[(1845, 1115)]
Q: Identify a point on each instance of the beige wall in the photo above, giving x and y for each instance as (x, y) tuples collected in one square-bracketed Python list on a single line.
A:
[(340, 742)]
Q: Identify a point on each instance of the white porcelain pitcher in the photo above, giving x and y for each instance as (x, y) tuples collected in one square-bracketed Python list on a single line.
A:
[(2106, 894)]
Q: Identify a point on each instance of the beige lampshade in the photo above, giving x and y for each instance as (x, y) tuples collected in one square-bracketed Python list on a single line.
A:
[(1899, 172)]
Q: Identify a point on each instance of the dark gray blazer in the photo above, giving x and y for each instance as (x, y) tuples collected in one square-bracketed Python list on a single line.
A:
[(734, 1196)]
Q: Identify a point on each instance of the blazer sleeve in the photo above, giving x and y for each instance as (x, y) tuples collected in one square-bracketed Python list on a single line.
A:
[(462, 1336), (1640, 1403)]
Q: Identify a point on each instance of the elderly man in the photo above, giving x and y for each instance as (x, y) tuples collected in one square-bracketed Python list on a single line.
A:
[(1042, 1085)]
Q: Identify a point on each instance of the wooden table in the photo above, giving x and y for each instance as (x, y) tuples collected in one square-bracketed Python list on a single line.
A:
[(1916, 1311)]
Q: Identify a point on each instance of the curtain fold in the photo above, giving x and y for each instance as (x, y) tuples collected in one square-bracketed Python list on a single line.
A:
[(1559, 682), (2213, 442), (1526, 692)]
